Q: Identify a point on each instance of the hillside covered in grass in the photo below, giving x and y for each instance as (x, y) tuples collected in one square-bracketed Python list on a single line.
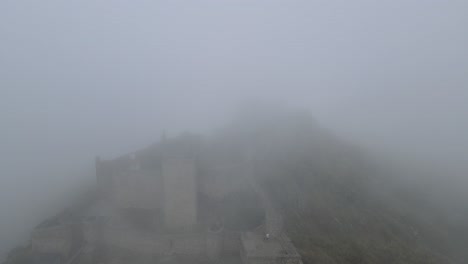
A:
[(340, 204)]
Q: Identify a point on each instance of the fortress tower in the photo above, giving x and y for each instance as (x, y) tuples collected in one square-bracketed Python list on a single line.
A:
[(179, 192)]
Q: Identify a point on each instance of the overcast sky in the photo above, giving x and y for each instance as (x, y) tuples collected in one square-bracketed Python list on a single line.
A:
[(81, 78)]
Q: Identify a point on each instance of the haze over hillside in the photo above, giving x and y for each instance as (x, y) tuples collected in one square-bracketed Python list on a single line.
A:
[(81, 78), (339, 203)]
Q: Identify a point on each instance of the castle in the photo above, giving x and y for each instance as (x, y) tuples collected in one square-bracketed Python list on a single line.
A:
[(177, 201)]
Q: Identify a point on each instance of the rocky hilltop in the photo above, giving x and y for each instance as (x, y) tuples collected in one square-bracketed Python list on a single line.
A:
[(271, 187)]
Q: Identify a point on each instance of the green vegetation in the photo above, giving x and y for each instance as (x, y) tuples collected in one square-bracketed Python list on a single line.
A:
[(339, 206)]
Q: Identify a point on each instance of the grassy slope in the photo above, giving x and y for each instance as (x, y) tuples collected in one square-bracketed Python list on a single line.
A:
[(339, 207)]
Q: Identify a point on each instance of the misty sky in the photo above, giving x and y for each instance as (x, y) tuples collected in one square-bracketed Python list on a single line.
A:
[(81, 78)]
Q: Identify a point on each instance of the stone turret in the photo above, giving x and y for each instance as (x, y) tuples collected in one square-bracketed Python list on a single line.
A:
[(180, 192), (103, 176)]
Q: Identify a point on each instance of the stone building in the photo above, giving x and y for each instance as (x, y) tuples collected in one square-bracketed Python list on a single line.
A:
[(58, 236), (179, 192), (173, 199)]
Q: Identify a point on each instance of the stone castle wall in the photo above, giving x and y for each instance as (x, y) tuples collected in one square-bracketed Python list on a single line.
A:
[(137, 189), (180, 192), (191, 244), (221, 179), (104, 172)]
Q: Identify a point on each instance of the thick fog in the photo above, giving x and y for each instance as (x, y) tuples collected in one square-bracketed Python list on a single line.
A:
[(86, 78)]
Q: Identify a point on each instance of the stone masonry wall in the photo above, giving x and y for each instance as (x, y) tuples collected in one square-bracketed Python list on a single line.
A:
[(180, 192)]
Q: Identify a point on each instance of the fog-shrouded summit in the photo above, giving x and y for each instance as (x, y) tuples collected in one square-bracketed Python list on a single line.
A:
[(79, 78), (272, 185)]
